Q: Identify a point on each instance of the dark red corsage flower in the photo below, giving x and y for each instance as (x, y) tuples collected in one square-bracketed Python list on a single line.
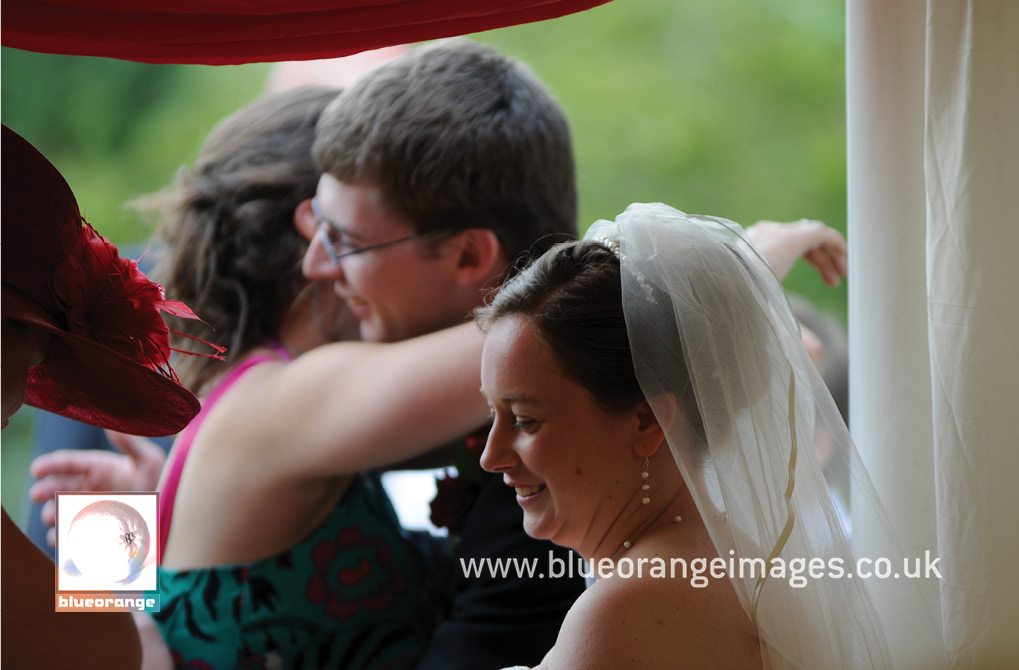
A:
[(455, 494), (454, 497)]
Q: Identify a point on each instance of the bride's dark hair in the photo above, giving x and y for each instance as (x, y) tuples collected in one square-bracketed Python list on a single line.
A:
[(572, 295)]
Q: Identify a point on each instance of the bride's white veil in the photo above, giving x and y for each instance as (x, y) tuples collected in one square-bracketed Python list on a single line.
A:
[(711, 331)]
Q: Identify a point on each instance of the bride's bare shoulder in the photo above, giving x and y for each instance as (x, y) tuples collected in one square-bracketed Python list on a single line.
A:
[(655, 622)]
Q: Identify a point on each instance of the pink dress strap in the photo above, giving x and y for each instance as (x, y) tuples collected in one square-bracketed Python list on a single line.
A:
[(168, 494)]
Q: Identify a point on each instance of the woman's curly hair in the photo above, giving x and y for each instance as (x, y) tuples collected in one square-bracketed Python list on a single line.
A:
[(231, 251)]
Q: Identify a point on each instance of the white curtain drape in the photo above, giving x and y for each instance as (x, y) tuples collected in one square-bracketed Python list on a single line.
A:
[(933, 148)]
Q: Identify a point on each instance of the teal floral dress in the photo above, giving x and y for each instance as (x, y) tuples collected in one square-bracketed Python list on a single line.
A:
[(350, 596)]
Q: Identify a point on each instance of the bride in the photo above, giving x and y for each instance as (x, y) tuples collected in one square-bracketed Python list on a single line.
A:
[(654, 408)]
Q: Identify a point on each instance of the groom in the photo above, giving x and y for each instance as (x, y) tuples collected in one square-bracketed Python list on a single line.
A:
[(462, 158)]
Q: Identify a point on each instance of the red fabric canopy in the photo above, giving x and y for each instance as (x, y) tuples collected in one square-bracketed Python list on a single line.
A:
[(222, 32)]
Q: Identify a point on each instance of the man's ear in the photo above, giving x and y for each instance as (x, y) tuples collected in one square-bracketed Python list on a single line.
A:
[(480, 258), (304, 220), (650, 435)]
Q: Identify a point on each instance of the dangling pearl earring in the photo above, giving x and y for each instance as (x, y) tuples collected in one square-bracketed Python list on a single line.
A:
[(645, 487)]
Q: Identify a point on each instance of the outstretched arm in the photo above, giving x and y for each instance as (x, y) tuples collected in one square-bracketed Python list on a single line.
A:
[(820, 245), (352, 406)]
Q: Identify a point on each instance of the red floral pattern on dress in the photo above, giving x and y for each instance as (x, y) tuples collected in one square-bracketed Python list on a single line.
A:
[(352, 572)]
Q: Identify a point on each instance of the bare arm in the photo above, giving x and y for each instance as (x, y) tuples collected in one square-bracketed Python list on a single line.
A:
[(818, 244), (155, 653), (352, 406)]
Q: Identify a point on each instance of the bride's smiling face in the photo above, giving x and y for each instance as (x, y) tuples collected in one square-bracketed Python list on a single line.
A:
[(571, 462)]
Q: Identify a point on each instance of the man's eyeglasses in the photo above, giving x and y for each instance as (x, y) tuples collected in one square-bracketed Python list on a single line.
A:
[(338, 248)]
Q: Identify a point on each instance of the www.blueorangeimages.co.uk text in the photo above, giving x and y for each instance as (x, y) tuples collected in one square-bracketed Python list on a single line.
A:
[(701, 570)]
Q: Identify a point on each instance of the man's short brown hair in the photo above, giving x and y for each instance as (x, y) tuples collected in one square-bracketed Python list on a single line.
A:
[(457, 136)]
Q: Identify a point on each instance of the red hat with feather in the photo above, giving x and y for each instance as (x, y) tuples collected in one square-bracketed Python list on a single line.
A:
[(108, 359)]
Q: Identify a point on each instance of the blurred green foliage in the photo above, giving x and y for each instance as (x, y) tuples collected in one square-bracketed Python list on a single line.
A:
[(729, 107), (117, 130)]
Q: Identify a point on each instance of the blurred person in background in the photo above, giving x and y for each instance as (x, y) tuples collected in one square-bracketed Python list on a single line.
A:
[(51, 431)]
